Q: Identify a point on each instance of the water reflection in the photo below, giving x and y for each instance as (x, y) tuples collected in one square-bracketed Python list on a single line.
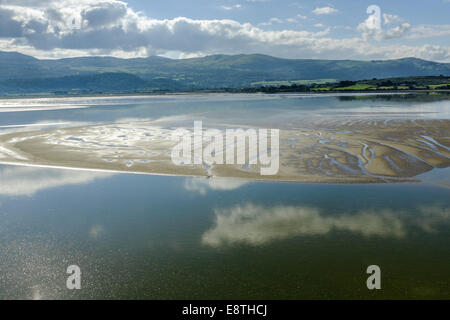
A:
[(40, 126), (203, 185), (256, 225), (239, 109), (96, 231), (26, 181)]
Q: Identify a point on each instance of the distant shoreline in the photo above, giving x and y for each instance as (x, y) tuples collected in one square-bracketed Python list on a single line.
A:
[(187, 93)]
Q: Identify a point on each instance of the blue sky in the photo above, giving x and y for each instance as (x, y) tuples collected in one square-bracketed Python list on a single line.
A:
[(351, 12), (337, 29)]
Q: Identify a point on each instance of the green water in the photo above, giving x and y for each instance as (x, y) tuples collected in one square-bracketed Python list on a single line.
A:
[(155, 237), (151, 237)]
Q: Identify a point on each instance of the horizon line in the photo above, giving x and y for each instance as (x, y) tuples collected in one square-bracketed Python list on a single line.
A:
[(218, 54)]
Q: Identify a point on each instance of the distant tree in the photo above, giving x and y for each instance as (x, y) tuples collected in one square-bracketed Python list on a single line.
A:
[(387, 83), (345, 83)]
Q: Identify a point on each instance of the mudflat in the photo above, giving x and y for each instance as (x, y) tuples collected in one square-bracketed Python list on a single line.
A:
[(338, 152)]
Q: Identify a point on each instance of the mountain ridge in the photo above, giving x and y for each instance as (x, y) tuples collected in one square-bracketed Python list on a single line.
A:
[(209, 72)]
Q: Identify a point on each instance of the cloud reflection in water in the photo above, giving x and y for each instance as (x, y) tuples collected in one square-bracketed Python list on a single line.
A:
[(202, 186), (256, 225), (26, 181)]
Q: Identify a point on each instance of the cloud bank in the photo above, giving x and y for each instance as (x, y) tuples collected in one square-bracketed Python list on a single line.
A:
[(64, 28)]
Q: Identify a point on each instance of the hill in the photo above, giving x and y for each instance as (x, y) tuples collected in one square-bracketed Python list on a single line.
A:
[(109, 82), (211, 72)]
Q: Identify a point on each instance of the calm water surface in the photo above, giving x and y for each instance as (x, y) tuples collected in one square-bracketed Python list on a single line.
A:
[(278, 111), (158, 237)]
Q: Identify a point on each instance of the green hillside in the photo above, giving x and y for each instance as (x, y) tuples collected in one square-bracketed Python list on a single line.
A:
[(211, 72)]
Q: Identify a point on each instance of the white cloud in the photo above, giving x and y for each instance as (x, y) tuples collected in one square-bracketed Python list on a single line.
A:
[(276, 20), (397, 31), (370, 32), (325, 10), (428, 31), (391, 18), (271, 21), (342, 27), (104, 13), (54, 29), (236, 6), (379, 34)]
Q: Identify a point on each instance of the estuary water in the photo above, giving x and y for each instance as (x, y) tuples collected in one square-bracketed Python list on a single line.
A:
[(277, 111), (163, 237)]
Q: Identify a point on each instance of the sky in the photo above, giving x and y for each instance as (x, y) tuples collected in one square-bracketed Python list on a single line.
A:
[(332, 29)]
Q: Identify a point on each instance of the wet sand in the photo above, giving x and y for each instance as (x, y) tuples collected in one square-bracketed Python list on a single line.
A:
[(357, 151)]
